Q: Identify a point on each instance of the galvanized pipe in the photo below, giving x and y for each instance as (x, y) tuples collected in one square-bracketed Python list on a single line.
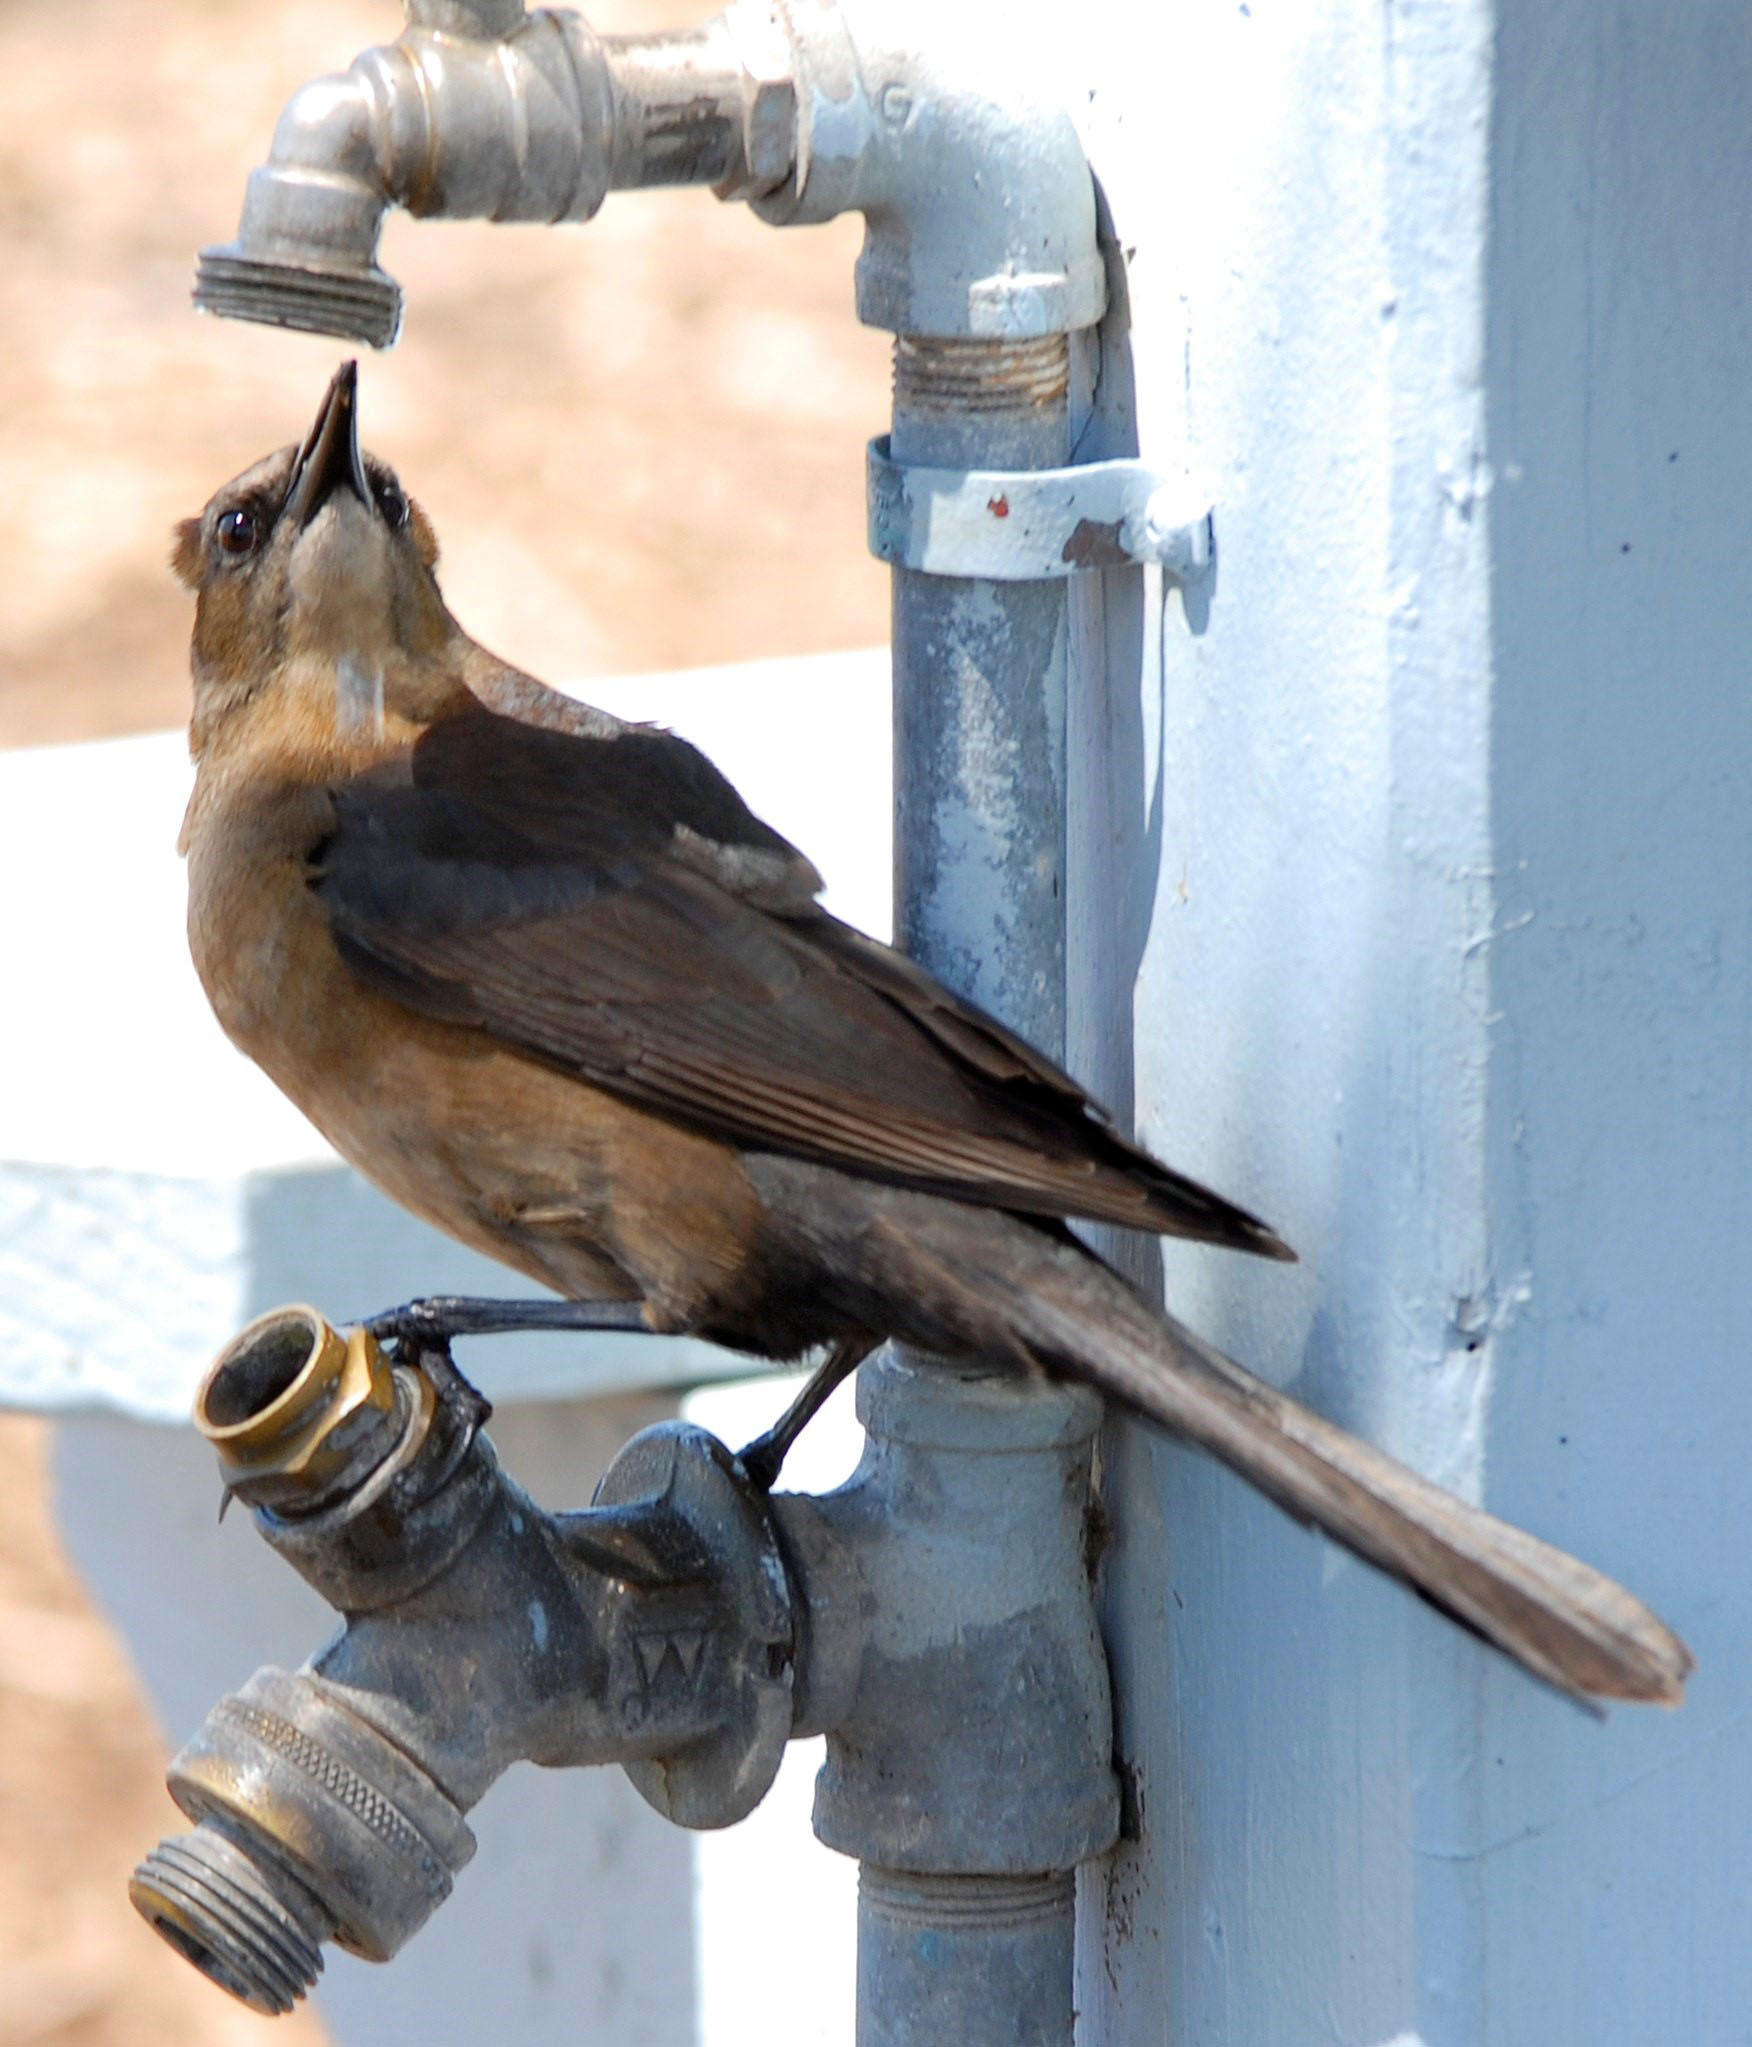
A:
[(677, 109), (968, 1754), (971, 1780), (979, 700), (985, 1961)]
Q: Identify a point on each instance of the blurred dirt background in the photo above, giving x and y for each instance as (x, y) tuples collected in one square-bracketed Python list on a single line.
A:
[(640, 441)]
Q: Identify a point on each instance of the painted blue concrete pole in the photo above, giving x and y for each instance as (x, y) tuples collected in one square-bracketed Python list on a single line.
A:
[(1429, 839)]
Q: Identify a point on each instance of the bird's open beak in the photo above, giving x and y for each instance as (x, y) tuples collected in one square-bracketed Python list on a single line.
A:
[(329, 459)]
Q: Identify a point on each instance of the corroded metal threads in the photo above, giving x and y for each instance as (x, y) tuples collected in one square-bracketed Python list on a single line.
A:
[(258, 1937), (985, 1961), (992, 1904), (952, 378), (354, 300)]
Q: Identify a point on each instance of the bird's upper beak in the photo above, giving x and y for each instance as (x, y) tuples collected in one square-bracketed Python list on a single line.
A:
[(329, 459)]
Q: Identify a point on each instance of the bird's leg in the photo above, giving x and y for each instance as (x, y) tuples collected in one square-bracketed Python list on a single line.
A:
[(439, 1317), (427, 1326), (766, 1454), (422, 1331)]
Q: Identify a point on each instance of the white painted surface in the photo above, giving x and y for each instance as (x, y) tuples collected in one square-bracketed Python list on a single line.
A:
[(1607, 1884), (1418, 855)]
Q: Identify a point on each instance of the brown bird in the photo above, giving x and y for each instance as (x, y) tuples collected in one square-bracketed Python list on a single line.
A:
[(545, 979)]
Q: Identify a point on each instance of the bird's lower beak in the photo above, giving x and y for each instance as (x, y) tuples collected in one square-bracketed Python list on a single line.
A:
[(329, 460)]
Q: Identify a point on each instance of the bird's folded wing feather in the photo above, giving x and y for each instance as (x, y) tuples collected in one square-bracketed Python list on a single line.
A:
[(611, 905)]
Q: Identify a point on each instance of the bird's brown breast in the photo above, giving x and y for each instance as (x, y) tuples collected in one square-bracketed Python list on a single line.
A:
[(522, 1162)]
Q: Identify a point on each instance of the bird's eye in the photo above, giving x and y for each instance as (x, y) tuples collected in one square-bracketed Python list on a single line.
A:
[(393, 505), (238, 532)]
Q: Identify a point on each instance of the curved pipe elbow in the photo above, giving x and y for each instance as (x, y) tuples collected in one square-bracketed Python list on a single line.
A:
[(325, 130), (320, 198), (962, 157), (306, 250), (514, 128)]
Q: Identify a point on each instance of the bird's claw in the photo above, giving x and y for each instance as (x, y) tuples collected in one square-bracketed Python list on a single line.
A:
[(761, 1461)]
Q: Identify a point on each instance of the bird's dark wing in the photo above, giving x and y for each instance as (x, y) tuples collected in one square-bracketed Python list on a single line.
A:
[(612, 906), (569, 776)]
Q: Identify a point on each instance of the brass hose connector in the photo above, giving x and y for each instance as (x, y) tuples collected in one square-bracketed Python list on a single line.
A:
[(310, 1826), (293, 1408)]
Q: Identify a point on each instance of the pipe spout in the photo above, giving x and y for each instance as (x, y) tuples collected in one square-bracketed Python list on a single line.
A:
[(955, 146), (480, 111), (654, 1629), (305, 256), (685, 1626)]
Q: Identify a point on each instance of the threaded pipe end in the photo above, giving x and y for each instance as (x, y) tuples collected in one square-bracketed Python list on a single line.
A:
[(998, 1904), (248, 1926), (354, 305), (298, 1411), (954, 376)]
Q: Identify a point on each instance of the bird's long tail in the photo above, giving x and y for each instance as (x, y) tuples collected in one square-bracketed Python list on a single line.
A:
[(1003, 1285)]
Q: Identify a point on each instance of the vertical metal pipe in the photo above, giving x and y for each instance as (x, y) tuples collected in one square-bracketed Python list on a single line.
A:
[(979, 700), (980, 1955), (983, 1961)]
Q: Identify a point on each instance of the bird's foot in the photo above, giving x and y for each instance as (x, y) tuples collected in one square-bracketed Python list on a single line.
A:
[(764, 1458), (437, 1318), (422, 1332), (455, 1389)]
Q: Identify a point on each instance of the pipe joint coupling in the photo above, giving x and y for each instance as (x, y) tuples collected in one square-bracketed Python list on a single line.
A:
[(957, 148), (310, 1826), (986, 1749)]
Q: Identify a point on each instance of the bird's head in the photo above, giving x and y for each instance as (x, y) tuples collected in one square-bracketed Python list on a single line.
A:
[(313, 574)]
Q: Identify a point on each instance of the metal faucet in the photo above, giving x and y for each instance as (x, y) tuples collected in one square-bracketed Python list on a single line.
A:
[(685, 1626), (655, 1630), (978, 198)]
